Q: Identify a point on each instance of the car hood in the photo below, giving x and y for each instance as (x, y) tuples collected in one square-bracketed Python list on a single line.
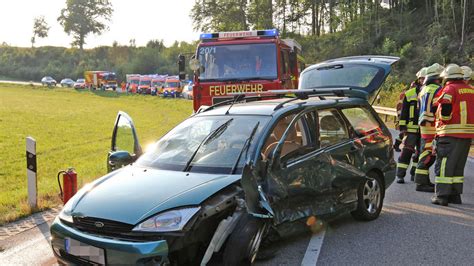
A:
[(133, 193)]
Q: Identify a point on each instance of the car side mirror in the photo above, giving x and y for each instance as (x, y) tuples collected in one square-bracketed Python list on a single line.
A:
[(119, 159)]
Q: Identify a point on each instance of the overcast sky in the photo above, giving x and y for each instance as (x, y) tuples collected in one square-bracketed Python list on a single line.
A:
[(141, 20)]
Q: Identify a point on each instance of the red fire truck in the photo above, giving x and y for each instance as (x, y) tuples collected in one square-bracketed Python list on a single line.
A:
[(242, 61)]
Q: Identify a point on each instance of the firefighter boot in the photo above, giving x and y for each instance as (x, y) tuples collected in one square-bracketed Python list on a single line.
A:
[(425, 187), (440, 200), (400, 180), (455, 199)]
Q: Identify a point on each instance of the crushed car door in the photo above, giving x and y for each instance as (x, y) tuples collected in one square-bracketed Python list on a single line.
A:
[(299, 180), (125, 148), (365, 73)]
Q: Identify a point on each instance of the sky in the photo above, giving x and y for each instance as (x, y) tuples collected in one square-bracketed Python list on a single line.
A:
[(141, 20)]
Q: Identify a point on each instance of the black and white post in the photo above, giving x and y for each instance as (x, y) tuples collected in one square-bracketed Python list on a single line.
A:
[(31, 171)]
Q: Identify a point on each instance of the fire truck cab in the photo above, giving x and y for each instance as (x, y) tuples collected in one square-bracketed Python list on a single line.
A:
[(100, 80), (242, 61)]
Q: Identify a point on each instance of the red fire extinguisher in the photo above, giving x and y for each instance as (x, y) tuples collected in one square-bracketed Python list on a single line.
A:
[(69, 184)]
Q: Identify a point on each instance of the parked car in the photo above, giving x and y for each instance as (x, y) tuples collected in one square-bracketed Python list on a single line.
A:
[(236, 173), (188, 91), (80, 84), (67, 82), (48, 81)]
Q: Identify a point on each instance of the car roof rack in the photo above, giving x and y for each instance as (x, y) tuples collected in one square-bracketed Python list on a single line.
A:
[(299, 94)]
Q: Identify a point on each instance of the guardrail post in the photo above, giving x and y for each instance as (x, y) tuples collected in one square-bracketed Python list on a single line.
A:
[(31, 172)]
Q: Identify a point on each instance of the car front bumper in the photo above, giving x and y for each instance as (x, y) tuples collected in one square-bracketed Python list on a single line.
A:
[(116, 251)]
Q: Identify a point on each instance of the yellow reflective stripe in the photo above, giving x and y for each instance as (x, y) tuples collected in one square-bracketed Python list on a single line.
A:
[(447, 97), (443, 180), (463, 111), (454, 131), (458, 179), (402, 165), (443, 167), (427, 130), (443, 117), (412, 112), (402, 123), (422, 172), (428, 144), (424, 154), (411, 130)]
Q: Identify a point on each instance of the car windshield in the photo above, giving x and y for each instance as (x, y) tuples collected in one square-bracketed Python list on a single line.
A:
[(157, 83), (339, 76), (239, 61), (80, 81), (172, 84), (134, 81), (145, 82), (207, 144)]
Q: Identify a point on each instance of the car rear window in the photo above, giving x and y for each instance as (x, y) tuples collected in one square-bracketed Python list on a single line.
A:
[(338, 75)]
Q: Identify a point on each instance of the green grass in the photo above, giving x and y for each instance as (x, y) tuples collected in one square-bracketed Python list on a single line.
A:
[(72, 129)]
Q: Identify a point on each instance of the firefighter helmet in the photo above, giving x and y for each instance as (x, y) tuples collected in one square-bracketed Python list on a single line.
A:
[(421, 73), (434, 70), (452, 71), (467, 71)]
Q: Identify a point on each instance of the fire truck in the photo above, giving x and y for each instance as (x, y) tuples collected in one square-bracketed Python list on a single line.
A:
[(240, 62), (132, 82), (100, 80)]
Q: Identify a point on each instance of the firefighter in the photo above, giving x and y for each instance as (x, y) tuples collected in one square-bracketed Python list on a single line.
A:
[(408, 125), (454, 131), (420, 76), (426, 121)]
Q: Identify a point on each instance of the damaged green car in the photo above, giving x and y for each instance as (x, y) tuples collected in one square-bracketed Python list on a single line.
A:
[(214, 187)]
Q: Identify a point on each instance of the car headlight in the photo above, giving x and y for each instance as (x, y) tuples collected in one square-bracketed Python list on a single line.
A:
[(169, 221)]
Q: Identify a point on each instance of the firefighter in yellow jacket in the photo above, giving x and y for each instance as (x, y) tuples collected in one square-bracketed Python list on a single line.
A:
[(408, 125), (454, 131), (426, 121)]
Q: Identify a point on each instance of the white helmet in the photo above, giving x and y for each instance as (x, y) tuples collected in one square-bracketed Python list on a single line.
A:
[(434, 70), (467, 71), (421, 73), (452, 71)]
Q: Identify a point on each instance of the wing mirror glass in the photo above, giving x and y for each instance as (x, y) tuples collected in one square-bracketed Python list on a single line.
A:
[(119, 159)]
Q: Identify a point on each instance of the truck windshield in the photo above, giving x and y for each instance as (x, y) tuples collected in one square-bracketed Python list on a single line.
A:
[(171, 84), (134, 81), (109, 77), (238, 61), (208, 144), (145, 82)]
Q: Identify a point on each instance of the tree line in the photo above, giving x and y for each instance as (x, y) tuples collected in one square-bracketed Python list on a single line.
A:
[(421, 32)]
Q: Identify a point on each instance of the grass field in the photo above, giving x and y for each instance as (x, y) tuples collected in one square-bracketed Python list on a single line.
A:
[(72, 129)]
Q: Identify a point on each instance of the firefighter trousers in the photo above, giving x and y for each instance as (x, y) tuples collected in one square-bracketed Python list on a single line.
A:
[(451, 157), (425, 161), (411, 142)]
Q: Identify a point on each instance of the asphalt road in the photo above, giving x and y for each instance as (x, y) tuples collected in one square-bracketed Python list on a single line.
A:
[(409, 231)]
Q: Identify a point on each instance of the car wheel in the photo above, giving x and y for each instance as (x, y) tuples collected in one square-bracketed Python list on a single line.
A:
[(370, 197), (244, 242)]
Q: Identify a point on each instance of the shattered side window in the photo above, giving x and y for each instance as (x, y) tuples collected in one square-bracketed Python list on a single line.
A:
[(331, 128), (362, 121)]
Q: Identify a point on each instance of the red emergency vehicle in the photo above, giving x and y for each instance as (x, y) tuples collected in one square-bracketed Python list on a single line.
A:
[(242, 61), (132, 82), (100, 80)]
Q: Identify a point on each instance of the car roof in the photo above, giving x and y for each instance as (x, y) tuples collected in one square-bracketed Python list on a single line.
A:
[(268, 107)]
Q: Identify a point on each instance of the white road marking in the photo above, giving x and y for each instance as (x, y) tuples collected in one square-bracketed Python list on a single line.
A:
[(314, 247), (34, 251)]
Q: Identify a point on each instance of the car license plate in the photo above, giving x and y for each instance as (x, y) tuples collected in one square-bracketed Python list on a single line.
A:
[(84, 251)]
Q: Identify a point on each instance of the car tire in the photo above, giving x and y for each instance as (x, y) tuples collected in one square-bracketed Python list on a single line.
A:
[(244, 242), (370, 196)]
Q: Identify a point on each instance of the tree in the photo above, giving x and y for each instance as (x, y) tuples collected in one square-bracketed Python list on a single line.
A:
[(82, 17), (40, 29)]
